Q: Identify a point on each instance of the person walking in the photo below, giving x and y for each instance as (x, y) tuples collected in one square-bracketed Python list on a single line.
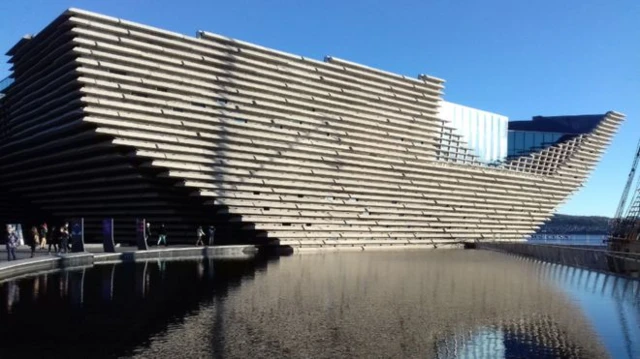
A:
[(64, 238), (54, 238), (147, 234), (43, 235), (67, 230), (200, 235), (212, 232), (162, 235), (12, 242), (34, 240)]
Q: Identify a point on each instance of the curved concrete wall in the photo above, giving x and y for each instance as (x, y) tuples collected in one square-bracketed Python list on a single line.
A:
[(112, 118)]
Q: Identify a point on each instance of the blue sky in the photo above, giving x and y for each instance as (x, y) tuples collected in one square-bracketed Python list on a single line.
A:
[(517, 58)]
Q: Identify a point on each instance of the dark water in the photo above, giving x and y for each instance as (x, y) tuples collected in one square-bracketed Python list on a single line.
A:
[(427, 304)]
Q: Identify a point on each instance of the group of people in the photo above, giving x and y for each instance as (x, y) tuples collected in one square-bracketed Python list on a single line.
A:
[(39, 237), (200, 235), (162, 235), (59, 237)]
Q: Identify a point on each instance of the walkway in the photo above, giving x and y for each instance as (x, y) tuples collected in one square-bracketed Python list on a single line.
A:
[(24, 252)]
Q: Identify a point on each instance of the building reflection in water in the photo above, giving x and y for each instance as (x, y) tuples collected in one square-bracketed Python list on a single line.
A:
[(107, 277), (405, 304), (75, 284), (437, 304), (123, 305)]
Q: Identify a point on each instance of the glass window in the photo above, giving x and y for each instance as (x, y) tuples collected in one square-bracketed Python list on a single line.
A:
[(524, 142), (511, 149), (529, 141)]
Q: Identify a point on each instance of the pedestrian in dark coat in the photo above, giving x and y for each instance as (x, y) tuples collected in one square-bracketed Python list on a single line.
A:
[(34, 240), (212, 232), (54, 239), (64, 238), (162, 235)]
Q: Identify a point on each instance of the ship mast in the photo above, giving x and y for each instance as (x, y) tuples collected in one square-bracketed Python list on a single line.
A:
[(626, 223)]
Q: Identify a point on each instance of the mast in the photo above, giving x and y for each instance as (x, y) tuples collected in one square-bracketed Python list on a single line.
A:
[(627, 218)]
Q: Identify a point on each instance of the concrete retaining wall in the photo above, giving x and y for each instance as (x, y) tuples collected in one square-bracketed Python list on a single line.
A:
[(25, 266), (597, 258), (32, 266)]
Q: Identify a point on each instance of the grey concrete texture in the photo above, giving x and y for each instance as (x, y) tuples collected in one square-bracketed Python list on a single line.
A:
[(308, 153)]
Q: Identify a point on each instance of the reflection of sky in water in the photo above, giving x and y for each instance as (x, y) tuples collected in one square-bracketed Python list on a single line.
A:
[(485, 343), (610, 303)]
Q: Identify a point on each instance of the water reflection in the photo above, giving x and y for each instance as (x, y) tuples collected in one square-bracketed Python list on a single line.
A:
[(111, 310), (433, 304), (612, 302), (405, 304)]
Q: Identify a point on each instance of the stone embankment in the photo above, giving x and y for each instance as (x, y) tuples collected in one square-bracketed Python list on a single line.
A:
[(86, 259), (596, 258)]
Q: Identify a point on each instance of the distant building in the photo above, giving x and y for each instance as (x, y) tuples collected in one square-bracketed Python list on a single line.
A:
[(106, 118)]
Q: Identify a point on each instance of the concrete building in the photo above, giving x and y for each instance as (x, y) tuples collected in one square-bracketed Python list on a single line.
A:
[(109, 118)]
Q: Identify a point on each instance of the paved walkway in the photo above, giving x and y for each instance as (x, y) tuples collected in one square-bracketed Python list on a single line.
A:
[(25, 251)]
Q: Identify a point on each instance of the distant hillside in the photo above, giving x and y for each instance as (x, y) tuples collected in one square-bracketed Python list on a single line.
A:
[(565, 224)]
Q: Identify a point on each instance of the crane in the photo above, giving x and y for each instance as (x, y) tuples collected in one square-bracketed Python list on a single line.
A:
[(625, 228)]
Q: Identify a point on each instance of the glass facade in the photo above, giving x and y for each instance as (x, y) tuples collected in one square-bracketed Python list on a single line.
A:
[(524, 142), (4, 83), (541, 132), (484, 132)]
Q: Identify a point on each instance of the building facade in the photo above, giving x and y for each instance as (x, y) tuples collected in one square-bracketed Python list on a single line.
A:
[(109, 118), (526, 137)]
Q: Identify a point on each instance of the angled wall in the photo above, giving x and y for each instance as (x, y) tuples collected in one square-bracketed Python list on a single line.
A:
[(112, 118)]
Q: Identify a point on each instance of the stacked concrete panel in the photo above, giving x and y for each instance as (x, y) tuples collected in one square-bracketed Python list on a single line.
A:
[(111, 118)]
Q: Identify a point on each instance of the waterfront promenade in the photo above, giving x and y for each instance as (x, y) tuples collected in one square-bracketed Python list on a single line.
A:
[(24, 252), (96, 256)]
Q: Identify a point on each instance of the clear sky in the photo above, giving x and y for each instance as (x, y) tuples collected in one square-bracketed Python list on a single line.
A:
[(514, 57)]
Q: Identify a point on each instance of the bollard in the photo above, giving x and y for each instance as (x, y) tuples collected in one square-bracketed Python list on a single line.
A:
[(77, 235), (108, 243), (141, 225)]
